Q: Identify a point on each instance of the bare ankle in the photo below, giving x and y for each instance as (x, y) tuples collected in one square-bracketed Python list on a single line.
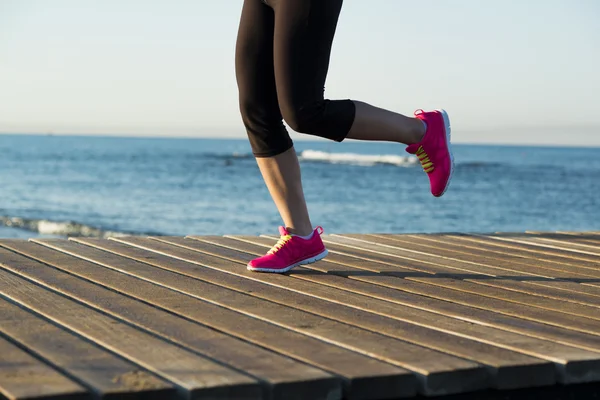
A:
[(418, 131), (303, 231)]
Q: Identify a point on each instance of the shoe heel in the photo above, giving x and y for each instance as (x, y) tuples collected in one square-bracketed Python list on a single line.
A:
[(448, 139), (446, 123)]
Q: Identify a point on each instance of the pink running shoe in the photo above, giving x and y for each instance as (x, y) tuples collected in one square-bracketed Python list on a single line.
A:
[(289, 252), (434, 150)]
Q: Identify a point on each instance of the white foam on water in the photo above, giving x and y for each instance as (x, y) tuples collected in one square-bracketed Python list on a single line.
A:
[(366, 160), (59, 228)]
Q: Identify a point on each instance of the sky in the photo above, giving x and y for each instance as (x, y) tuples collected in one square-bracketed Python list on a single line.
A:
[(510, 71)]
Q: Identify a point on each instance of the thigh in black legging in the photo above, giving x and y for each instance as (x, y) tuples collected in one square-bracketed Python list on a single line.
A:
[(255, 76), (304, 32)]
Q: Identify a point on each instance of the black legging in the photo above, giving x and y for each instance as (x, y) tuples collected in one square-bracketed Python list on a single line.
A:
[(281, 62)]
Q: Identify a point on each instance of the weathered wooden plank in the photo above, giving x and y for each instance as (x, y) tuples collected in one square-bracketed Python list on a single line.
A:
[(283, 377), (506, 243), (376, 288), (462, 259), (546, 291), (105, 374), (587, 240), (592, 234), (495, 246), (584, 305), (526, 345), (473, 247), (510, 283), (489, 253), (421, 263), (466, 283), (437, 372), (573, 316), (193, 373), (548, 237), (440, 340), (462, 305), (23, 376), (580, 237), (416, 244), (561, 244), (365, 377)]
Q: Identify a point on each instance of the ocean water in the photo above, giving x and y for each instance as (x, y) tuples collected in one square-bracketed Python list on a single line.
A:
[(57, 186)]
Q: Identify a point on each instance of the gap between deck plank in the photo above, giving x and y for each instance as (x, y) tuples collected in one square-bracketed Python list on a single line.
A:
[(474, 247), (283, 377), (189, 371), (101, 372), (431, 298), (497, 282), (527, 345), (561, 314), (401, 328), (24, 377), (438, 373), (500, 242)]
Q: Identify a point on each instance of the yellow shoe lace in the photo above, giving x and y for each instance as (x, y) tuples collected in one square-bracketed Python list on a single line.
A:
[(425, 161), (282, 241)]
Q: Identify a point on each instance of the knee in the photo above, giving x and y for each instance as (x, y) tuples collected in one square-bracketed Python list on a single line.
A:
[(256, 118), (247, 112), (305, 119), (265, 129)]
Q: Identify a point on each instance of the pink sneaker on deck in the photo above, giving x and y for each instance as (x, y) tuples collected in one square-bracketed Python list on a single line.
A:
[(434, 150), (289, 252)]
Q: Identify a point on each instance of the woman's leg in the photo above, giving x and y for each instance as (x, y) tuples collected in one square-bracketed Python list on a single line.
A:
[(259, 107), (304, 32), (373, 123), (282, 176), (303, 36)]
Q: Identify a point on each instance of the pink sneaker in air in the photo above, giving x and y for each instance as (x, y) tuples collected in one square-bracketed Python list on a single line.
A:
[(434, 150), (289, 252)]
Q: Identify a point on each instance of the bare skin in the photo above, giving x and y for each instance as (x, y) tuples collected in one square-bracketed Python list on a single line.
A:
[(282, 176), (374, 123)]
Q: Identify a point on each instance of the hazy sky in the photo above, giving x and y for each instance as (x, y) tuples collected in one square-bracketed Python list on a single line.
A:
[(510, 71)]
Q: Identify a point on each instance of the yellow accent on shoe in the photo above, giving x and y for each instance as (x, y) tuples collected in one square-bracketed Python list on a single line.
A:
[(425, 161), (280, 243)]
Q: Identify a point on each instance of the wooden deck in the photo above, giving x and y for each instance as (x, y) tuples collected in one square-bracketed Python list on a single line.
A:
[(384, 316)]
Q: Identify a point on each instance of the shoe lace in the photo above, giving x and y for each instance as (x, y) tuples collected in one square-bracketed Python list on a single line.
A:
[(280, 243), (424, 159)]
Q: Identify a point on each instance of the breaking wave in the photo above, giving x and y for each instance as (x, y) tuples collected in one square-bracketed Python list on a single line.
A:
[(317, 156), (357, 159), (65, 228), (365, 160)]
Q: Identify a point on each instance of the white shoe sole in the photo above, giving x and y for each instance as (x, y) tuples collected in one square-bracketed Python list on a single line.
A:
[(286, 269), (449, 145)]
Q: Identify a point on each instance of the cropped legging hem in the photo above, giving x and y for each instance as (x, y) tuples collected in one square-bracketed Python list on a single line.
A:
[(337, 133), (274, 152)]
